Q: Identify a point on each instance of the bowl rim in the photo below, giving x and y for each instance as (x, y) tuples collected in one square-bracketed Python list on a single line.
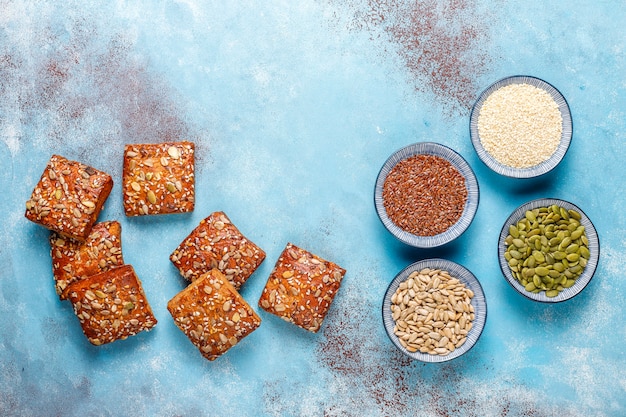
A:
[(581, 282), (471, 205), (479, 302), (543, 167)]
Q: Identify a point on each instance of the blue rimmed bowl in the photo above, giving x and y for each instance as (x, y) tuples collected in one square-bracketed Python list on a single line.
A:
[(581, 281), (455, 270), (541, 168), (469, 210)]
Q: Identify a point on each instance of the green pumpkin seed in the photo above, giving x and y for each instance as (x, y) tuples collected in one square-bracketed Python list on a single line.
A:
[(574, 214), (553, 273), (151, 197), (533, 232), (519, 243), (584, 252), (577, 233), (572, 257), (569, 283), (576, 269)]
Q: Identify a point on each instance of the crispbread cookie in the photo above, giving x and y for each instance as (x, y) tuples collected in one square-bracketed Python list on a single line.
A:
[(73, 260), (158, 178), (217, 243), (212, 314), (111, 305), (68, 197), (301, 288)]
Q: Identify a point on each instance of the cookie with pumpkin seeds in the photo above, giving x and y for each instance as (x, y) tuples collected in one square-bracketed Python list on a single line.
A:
[(73, 260), (301, 288), (212, 314), (111, 305), (217, 243), (158, 178), (68, 197)]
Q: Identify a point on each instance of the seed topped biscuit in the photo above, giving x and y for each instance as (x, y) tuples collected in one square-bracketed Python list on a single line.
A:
[(217, 243), (158, 178), (68, 197), (111, 305), (73, 260), (301, 288), (212, 314)]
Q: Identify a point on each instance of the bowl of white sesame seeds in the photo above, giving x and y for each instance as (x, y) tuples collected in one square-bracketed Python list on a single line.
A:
[(521, 127)]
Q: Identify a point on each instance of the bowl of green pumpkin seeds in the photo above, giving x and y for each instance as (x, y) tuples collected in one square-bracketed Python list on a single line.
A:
[(548, 250)]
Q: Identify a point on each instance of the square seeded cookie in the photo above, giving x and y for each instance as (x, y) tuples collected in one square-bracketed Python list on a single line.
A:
[(68, 197), (213, 314), (217, 243), (73, 260), (111, 305), (158, 178), (301, 288)]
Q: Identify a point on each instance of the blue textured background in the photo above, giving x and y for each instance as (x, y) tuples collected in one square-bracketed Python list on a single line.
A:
[(294, 106)]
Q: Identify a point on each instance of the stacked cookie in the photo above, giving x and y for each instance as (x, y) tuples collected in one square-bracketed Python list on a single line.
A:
[(87, 261)]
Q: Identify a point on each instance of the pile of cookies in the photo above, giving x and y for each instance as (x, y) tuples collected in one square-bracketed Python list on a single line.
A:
[(216, 258)]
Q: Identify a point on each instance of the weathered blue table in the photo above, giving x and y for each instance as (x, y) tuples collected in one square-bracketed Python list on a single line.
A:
[(294, 107)]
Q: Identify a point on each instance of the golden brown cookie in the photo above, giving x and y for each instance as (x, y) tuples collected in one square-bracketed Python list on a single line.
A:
[(158, 178), (217, 243), (212, 314), (68, 197), (73, 260), (301, 288), (111, 305)]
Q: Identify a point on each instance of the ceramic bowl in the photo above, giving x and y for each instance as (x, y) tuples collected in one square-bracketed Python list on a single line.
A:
[(478, 302), (581, 281), (536, 170), (469, 210)]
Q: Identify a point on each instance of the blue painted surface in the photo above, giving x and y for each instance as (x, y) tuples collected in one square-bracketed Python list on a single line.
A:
[(294, 107)]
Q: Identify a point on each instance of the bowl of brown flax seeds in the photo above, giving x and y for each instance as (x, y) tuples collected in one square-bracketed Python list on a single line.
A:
[(426, 194), (521, 127), (434, 310)]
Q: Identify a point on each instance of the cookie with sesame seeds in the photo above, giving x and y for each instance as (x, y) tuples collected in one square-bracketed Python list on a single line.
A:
[(217, 243), (301, 288), (68, 197), (111, 305), (158, 178), (73, 260), (212, 314)]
